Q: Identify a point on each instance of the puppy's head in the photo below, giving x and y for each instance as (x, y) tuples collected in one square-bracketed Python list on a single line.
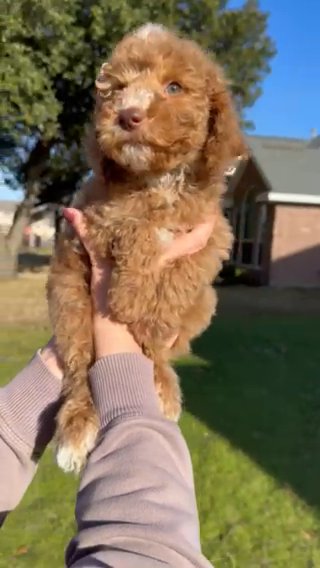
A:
[(162, 103)]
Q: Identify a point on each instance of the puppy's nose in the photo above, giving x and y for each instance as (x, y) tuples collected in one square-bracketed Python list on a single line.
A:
[(130, 118)]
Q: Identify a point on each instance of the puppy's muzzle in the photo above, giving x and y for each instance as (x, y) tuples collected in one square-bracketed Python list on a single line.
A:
[(130, 118)]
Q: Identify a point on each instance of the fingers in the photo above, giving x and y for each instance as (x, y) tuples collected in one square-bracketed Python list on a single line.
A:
[(197, 238), (189, 243), (76, 220), (183, 245)]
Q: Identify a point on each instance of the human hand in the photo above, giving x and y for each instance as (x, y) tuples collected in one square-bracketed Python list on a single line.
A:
[(109, 336), (50, 357), (186, 243)]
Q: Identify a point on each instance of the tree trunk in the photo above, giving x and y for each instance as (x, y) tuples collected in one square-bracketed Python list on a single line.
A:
[(32, 172), (21, 220), (14, 238)]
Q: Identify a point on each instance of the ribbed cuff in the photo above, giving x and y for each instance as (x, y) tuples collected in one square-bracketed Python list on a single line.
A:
[(123, 385), (28, 405)]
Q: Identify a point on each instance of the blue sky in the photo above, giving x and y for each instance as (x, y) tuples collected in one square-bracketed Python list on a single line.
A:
[(290, 102)]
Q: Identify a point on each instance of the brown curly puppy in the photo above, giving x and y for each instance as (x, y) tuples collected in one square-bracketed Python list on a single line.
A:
[(164, 131)]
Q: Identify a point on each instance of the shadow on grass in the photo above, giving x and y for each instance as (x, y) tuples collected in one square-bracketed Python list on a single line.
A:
[(257, 383)]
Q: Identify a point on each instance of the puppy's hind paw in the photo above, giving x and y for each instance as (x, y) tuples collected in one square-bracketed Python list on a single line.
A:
[(72, 458)]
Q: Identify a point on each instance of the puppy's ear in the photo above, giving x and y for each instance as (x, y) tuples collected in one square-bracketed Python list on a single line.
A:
[(225, 140), (102, 81)]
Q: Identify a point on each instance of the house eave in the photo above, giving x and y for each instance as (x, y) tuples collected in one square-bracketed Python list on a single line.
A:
[(294, 198)]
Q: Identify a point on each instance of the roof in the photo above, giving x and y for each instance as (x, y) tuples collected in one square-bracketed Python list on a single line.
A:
[(289, 166)]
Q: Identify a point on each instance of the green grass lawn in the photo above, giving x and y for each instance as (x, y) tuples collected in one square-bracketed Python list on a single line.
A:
[(252, 423)]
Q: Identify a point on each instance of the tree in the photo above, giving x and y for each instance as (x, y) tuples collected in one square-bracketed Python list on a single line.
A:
[(52, 50)]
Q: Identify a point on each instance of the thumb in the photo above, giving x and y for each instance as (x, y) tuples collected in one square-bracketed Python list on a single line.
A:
[(76, 220)]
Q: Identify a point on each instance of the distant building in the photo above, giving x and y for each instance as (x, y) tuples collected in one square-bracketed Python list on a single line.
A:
[(38, 233), (273, 203)]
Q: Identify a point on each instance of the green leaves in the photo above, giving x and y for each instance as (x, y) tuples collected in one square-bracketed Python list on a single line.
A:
[(29, 100), (33, 53), (51, 51)]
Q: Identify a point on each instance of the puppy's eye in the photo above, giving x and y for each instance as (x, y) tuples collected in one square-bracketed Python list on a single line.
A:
[(119, 87), (173, 88), (105, 93)]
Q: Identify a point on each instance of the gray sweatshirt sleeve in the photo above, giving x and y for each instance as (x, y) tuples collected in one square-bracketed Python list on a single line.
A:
[(28, 405), (136, 504)]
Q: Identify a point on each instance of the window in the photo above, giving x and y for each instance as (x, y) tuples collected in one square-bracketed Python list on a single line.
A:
[(249, 225)]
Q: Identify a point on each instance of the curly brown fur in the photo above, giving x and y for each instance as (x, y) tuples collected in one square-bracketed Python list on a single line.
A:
[(153, 175)]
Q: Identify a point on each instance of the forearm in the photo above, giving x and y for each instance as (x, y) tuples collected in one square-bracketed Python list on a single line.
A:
[(28, 405), (136, 504)]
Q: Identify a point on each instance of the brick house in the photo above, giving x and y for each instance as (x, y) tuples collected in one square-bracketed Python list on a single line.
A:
[(273, 203)]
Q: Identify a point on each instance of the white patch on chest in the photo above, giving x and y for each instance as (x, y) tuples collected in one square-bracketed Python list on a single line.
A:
[(136, 157), (168, 185), (165, 236)]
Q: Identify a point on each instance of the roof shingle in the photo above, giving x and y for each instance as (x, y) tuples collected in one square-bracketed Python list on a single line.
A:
[(289, 165)]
